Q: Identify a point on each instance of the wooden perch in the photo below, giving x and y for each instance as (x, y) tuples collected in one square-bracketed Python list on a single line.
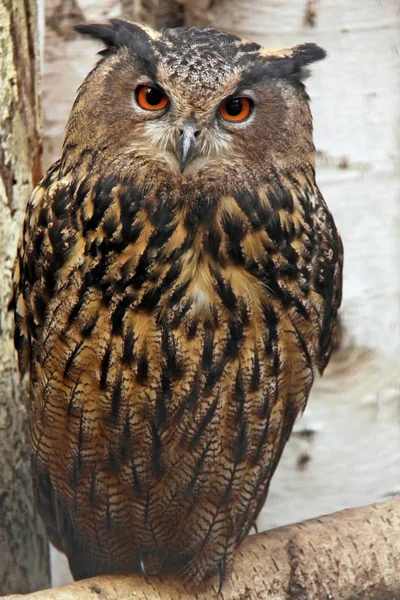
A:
[(353, 554)]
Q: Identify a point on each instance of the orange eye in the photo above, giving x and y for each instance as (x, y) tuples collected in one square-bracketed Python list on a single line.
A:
[(235, 108), (151, 98)]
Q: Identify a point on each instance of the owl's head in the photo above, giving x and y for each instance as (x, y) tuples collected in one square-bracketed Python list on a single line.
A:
[(191, 97)]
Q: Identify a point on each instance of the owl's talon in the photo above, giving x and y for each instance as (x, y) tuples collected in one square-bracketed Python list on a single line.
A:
[(254, 525), (222, 573), (143, 568)]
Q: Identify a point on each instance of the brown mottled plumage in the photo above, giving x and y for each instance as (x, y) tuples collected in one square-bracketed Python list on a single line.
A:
[(170, 322)]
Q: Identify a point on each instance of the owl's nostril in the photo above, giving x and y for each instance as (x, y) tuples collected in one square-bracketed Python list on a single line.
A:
[(195, 133)]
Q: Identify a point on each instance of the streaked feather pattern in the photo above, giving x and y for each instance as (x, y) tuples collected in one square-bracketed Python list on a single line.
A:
[(170, 326)]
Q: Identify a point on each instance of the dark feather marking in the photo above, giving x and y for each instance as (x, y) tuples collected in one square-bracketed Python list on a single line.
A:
[(49, 278), (101, 201), (117, 316), (157, 450), (72, 397), (161, 414), (43, 219), (110, 225), (178, 293), (281, 199), (129, 340), (31, 326), (130, 199), (271, 321), (80, 443), (116, 401), (208, 348), (225, 292), (87, 329), (257, 212), (261, 443), (213, 378), (212, 242), (169, 351), (37, 242), (142, 268), (186, 245), (125, 446), (255, 375), (201, 209), (56, 236), (151, 298), (233, 226), (62, 202), (197, 469), (192, 328), (50, 175), (273, 227), (162, 215), (172, 274), (105, 364), (40, 308), (234, 337), (92, 493), (205, 421), (191, 399), (72, 357), (159, 237), (75, 310), (142, 368), (180, 313), (241, 443), (93, 278)]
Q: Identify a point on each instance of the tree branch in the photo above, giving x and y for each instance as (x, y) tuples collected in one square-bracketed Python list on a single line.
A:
[(349, 555)]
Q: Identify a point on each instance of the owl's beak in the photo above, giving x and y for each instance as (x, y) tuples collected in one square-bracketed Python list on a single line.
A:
[(187, 144)]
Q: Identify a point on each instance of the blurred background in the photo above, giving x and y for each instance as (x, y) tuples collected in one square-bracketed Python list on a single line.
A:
[(345, 451)]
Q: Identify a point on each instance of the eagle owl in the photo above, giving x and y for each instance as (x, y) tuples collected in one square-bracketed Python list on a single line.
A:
[(177, 282)]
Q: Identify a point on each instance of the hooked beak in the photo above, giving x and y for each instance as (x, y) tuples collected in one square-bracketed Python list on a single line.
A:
[(187, 144)]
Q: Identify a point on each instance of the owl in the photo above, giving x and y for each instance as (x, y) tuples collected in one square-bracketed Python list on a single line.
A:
[(177, 283)]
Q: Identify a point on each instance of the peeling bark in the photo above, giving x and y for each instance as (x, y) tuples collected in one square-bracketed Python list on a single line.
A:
[(332, 557), (23, 543)]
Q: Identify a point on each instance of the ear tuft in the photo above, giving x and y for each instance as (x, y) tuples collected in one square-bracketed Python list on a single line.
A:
[(305, 54), (122, 34), (289, 63), (117, 35), (104, 33)]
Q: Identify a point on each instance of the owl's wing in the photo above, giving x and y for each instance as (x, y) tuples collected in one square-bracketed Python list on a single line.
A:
[(28, 276), (282, 235), (46, 239), (302, 265), (326, 279)]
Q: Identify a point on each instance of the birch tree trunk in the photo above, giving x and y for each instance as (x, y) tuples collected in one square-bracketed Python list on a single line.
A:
[(24, 562)]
